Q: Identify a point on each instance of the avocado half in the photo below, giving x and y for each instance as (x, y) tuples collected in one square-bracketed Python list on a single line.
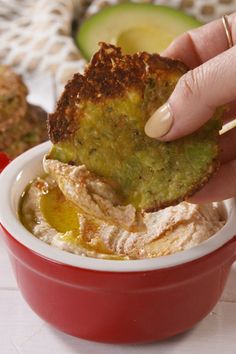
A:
[(134, 28)]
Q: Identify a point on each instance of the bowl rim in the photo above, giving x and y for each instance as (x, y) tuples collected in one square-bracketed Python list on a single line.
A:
[(11, 176)]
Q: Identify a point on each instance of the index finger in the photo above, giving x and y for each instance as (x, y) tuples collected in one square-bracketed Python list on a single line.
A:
[(199, 45)]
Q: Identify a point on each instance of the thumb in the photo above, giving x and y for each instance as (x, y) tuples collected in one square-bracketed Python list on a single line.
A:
[(196, 96)]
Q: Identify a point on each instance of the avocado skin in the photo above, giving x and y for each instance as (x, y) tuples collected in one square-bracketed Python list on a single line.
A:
[(100, 121)]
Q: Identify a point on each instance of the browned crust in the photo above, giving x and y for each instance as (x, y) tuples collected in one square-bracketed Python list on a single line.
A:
[(61, 123), (109, 74)]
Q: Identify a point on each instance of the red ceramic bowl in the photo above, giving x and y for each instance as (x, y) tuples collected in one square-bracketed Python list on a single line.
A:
[(107, 300)]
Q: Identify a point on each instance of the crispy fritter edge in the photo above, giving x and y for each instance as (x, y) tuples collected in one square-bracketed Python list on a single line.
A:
[(109, 74)]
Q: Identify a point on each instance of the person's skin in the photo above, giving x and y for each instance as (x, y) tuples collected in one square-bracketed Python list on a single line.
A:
[(210, 83)]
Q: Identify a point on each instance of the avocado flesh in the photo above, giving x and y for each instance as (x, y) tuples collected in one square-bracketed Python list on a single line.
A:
[(134, 28)]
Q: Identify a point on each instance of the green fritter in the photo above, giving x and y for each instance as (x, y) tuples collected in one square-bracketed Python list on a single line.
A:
[(100, 119)]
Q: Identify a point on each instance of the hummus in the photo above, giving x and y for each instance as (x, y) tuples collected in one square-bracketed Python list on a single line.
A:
[(94, 197), (57, 220)]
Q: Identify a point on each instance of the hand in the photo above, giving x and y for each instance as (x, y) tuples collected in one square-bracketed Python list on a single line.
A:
[(210, 83)]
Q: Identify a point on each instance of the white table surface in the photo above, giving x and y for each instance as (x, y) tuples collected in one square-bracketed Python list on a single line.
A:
[(23, 332)]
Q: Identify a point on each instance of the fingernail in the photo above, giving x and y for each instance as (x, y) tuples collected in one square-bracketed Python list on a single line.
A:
[(160, 122)]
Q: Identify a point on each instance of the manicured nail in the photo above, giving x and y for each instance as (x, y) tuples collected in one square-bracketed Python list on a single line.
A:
[(160, 122)]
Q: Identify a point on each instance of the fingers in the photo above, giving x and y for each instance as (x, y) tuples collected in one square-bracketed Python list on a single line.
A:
[(195, 98), (228, 146), (199, 45), (221, 186)]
